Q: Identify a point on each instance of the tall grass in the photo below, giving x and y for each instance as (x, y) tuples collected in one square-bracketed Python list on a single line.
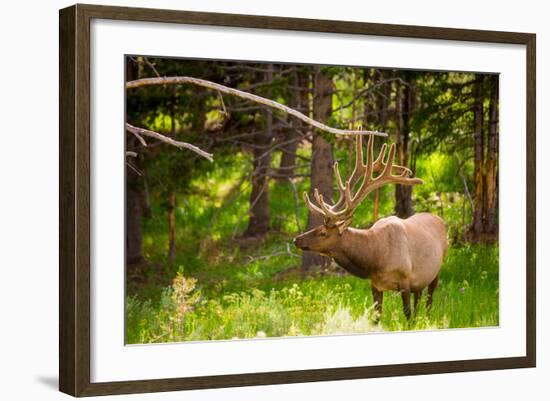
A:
[(221, 287), (327, 304)]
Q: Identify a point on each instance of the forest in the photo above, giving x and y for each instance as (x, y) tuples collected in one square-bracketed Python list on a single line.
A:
[(214, 184)]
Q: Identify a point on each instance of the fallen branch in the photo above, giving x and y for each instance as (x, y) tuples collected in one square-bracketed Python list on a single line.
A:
[(255, 98), (152, 134), (288, 252)]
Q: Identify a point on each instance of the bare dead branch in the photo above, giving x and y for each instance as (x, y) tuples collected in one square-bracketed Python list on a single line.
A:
[(240, 136), (369, 90), (296, 204), (139, 137), (134, 169), (152, 66), (293, 167), (256, 69), (461, 173), (169, 141), (278, 175), (255, 98)]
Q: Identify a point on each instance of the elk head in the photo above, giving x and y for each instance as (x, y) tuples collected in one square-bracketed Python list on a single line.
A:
[(365, 178)]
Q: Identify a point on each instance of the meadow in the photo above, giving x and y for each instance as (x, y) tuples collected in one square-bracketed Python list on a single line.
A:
[(224, 286)]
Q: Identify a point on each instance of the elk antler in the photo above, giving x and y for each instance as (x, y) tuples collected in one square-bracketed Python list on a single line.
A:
[(342, 211)]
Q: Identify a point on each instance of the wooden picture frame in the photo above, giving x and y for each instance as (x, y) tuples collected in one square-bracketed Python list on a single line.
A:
[(75, 206)]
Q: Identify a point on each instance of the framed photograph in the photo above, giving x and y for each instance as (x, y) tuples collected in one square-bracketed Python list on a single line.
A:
[(250, 200)]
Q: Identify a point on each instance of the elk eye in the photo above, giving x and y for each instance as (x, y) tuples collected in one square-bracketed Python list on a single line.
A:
[(323, 233)]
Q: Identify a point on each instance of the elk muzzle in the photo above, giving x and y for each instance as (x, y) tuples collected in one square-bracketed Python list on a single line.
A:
[(299, 243), (321, 239)]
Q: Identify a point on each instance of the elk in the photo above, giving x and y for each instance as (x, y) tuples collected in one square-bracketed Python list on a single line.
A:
[(395, 254)]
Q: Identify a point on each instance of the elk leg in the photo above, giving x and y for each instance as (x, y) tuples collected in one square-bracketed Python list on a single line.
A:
[(431, 289), (378, 298), (406, 297), (417, 296)]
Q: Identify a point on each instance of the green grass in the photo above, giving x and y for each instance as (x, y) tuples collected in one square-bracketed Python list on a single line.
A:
[(245, 301), (227, 288)]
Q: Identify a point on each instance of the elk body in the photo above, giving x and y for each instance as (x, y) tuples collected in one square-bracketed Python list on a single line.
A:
[(397, 254)]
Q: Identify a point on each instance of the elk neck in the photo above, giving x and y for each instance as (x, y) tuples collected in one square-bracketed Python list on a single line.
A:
[(354, 253)]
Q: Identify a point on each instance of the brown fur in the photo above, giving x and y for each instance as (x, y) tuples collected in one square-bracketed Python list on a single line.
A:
[(395, 254)]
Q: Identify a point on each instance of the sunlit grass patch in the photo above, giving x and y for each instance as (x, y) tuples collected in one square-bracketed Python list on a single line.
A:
[(244, 302)]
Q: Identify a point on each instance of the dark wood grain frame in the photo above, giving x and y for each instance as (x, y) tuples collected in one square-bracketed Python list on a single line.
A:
[(74, 202)]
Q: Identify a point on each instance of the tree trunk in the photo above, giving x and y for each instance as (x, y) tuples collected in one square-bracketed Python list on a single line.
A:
[(491, 214), (382, 104), (298, 101), (171, 226), (258, 221), (403, 201), (321, 162), (288, 156), (171, 204), (476, 228), (146, 210), (383, 100), (134, 190), (376, 206), (133, 219), (403, 193)]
